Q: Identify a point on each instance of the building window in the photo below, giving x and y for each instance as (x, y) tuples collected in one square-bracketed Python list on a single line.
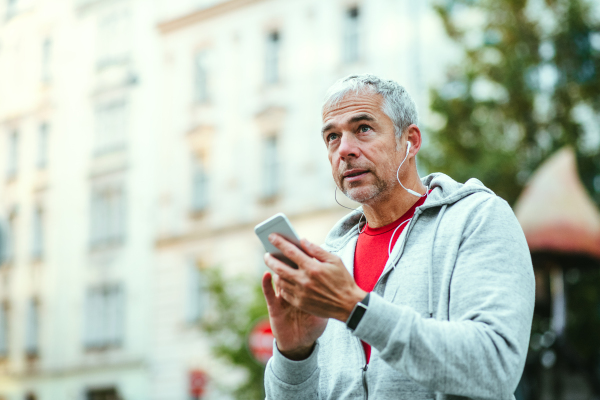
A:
[(270, 167), (197, 293), (107, 216), (111, 125), (32, 332), (42, 148), (12, 158), (103, 394), (11, 237), (272, 58), (3, 244), (113, 40), (199, 184), (104, 317), (37, 244), (200, 77), (46, 60), (351, 35), (11, 8), (4, 314)]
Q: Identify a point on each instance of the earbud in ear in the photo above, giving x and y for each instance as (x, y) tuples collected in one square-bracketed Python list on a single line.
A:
[(398, 172)]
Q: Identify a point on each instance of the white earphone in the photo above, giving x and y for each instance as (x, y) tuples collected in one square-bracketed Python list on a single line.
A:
[(408, 144)]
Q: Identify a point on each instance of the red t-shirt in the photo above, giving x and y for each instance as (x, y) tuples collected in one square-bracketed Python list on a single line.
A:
[(371, 253)]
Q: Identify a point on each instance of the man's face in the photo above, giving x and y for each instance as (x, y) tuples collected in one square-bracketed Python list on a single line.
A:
[(362, 147)]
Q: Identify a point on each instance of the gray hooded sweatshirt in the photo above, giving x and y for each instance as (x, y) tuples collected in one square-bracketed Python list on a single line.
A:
[(449, 318)]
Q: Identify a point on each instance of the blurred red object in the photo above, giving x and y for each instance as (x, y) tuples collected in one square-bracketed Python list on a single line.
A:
[(198, 380), (260, 341)]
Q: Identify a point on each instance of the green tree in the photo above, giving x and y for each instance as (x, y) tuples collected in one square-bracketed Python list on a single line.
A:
[(236, 304), (528, 84)]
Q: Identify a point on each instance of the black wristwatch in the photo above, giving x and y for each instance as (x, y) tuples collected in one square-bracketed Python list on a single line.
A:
[(357, 313)]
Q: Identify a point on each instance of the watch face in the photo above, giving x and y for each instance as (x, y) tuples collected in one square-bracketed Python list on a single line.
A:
[(356, 316)]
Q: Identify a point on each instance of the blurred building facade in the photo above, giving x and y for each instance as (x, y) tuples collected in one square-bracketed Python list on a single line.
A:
[(76, 187), (140, 141)]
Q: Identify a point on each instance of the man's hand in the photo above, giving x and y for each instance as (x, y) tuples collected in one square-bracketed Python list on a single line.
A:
[(295, 330), (321, 285)]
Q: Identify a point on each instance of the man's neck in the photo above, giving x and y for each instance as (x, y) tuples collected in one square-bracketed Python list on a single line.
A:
[(394, 205)]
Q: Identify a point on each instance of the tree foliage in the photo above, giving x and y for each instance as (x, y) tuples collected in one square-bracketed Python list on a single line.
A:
[(528, 84), (236, 304)]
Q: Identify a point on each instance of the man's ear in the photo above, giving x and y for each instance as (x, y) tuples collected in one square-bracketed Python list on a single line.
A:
[(413, 135)]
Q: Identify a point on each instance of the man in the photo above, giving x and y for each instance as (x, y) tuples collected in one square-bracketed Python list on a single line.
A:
[(426, 291)]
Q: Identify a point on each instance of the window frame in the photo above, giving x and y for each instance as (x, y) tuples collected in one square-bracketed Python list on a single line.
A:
[(351, 48), (104, 320), (273, 57), (200, 76), (270, 167)]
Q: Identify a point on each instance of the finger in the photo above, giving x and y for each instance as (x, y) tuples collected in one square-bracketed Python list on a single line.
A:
[(316, 251), (267, 287), (276, 281), (287, 293), (284, 271), (289, 249)]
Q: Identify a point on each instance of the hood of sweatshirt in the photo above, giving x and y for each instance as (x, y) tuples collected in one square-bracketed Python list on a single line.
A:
[(444, 191)]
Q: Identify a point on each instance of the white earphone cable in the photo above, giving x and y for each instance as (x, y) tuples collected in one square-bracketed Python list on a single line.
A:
[(394, 234), (398, 175)]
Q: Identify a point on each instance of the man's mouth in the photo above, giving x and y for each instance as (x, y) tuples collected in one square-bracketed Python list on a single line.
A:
[(354, 174)]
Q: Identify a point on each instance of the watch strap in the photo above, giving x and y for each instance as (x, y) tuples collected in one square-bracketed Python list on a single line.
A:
[(357, 313)]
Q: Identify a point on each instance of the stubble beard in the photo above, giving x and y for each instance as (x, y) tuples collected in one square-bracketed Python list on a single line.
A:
[(366, 194)]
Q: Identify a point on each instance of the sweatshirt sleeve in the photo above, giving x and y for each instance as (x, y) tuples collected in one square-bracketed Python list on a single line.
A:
[(480, 352), (290, 380)]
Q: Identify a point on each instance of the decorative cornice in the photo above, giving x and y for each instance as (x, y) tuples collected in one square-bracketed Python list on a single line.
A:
[(203, 14)]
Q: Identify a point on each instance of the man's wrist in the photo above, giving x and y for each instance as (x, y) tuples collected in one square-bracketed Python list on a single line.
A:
[(357, 296), (297, 354), (357, 313)]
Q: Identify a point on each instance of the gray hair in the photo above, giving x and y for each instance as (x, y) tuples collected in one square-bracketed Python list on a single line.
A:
[(397, 103)]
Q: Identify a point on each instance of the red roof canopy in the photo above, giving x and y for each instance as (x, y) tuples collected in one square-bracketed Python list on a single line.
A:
[(556, 212)]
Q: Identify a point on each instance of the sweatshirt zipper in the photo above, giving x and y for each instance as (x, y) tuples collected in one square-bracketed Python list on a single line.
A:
[(366, 366), (363, 368), (364, 380)]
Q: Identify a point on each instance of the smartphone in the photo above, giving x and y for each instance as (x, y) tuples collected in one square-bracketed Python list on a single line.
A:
[(278, 223)]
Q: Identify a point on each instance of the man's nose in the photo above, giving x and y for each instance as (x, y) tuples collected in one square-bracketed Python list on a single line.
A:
[(349, 147)]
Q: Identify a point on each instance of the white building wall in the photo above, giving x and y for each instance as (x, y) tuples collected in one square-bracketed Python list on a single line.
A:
[(65, 369)]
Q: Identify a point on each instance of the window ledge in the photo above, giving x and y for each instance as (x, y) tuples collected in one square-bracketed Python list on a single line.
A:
[(269, 200), (108, 150), (198, 213), (104, 348), (107, 245), (11, 177), (37, 259)]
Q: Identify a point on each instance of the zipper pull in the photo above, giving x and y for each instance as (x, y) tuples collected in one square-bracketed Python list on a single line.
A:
[(364, 380)]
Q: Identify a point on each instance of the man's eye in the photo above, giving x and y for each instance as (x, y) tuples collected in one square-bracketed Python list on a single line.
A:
[(364, 128), (332, 136)]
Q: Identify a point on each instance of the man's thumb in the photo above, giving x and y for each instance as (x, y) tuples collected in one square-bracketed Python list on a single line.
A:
[(267, 287)]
